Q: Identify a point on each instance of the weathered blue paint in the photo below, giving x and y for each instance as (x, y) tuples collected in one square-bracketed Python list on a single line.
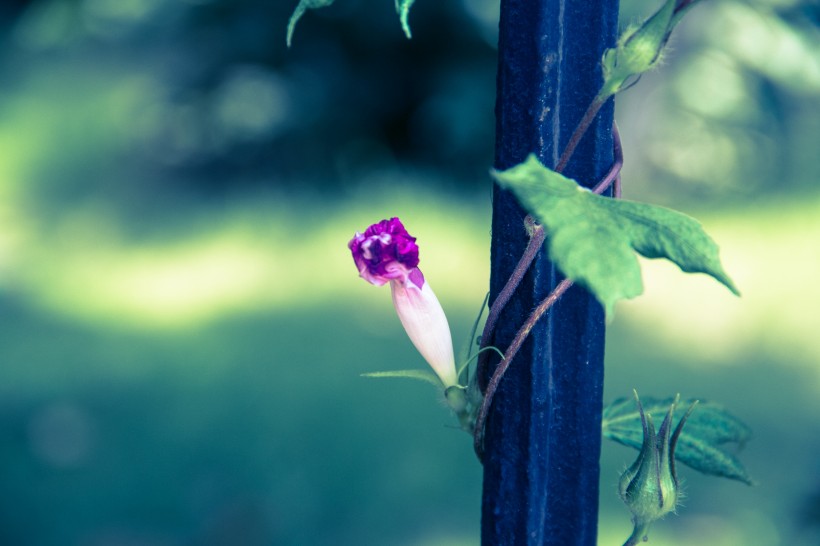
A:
[(543, 433)]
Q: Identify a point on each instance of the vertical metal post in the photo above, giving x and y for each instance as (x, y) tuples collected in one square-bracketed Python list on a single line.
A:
[(543, 433)]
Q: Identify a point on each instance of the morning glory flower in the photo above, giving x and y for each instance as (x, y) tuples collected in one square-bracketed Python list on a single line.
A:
[(386, 253)]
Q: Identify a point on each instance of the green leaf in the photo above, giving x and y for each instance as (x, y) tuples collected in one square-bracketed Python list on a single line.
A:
[(421, 375), (705, 444), (403, 9), (593, 239), (300, 10)]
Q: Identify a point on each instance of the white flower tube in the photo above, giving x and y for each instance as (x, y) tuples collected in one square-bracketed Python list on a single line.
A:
[(426, 324)]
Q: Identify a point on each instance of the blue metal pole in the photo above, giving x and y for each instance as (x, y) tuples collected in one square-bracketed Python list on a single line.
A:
[(543, 434)]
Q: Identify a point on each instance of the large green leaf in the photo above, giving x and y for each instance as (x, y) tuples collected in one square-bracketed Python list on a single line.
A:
[(593, 239), (300, 10), (705, 444)]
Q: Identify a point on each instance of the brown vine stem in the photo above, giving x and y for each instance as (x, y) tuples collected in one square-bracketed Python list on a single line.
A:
[(501, 369), (580, 130), (537, 234), (613, 176)]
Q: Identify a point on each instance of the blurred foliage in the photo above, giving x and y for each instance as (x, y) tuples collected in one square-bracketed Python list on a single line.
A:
[(204, 93), (202, 96), (118, 437), (180, 336), (738, 105)]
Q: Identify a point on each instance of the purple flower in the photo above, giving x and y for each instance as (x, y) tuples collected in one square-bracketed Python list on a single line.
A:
[(384, 253)]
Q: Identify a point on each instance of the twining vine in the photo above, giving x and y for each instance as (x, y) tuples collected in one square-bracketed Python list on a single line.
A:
[(593, 241), (537, 236)]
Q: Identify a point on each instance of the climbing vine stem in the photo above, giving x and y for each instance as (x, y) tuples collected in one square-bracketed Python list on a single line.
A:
[(537, 237), (580, 130)]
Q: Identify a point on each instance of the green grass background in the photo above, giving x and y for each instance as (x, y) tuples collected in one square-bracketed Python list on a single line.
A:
[(246, 421)]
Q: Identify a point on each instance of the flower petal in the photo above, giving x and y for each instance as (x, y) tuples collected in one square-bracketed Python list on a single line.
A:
[(384, 252), (426, 324)]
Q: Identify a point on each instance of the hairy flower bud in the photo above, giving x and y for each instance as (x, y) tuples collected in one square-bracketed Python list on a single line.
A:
[(649, 487), (639, 48), (384, 253)]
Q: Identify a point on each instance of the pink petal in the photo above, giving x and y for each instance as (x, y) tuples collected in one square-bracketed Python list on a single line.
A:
[(426, 325)]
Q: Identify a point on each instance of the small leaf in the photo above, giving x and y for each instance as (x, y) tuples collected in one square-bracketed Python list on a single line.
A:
[(421, 375), (704, 443), (403, 9), (300, 9), (593, 239)]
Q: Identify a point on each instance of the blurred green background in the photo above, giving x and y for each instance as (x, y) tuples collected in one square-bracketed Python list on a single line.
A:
[(182, 329)]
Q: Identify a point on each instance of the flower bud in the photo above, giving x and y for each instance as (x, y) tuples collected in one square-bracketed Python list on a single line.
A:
[(649, 487), (640, 47), (386, 253)]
